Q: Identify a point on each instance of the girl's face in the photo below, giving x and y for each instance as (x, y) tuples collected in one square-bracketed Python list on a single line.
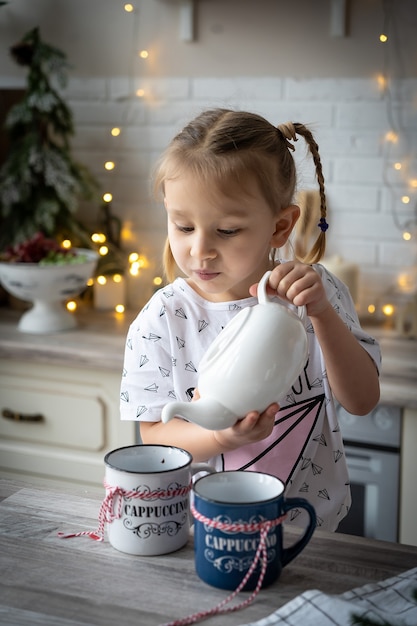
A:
[(221, 243)]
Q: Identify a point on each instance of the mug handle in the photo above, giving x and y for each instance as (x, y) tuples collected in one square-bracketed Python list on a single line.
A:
[(288, 554), (202, 467)]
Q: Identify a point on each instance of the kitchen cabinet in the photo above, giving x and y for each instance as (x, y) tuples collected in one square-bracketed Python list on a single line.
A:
[(408, 496), (58, 422)]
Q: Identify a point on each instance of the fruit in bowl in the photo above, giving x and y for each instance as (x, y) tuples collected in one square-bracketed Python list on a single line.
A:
[(46, 274)]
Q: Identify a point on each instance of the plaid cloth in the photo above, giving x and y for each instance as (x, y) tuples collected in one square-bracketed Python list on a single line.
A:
[(387, 602)]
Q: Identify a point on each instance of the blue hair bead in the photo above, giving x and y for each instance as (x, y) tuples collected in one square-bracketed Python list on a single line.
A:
[(323, 225)]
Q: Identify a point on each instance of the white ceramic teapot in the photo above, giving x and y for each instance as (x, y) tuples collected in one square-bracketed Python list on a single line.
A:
[(252, 362)]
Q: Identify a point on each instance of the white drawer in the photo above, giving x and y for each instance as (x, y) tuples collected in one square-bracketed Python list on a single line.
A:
[(73, 416)]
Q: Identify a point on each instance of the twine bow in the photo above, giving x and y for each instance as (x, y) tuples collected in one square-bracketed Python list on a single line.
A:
[(108, 512)]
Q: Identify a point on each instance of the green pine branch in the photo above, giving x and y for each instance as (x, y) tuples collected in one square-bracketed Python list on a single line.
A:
[(40, 182)]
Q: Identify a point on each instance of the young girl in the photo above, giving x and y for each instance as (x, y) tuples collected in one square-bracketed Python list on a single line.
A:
[(228, 181)]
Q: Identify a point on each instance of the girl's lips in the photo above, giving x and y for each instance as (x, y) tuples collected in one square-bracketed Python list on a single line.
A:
[(203, 275)]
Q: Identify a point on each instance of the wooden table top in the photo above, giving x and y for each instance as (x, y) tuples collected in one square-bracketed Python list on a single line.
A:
[(68, 582)]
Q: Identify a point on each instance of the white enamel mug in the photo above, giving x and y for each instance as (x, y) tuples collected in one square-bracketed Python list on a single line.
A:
[(148, 488)]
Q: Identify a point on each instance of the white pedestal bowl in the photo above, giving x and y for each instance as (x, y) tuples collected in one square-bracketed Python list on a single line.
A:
[(48, 287)]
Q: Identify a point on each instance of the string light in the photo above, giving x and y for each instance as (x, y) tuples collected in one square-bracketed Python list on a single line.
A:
[(397, 135), (391, 136), (71, 306), (382, 82), (136, 262), (134, 269), (98, 237), (119, 308), (66, 244), (388, 309), (405, 282), (371, 308)]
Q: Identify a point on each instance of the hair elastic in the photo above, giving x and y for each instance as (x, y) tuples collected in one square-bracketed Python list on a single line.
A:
[(323, 225)]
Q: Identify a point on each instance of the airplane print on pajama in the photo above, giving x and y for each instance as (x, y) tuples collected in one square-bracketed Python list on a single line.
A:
[(164, 346)]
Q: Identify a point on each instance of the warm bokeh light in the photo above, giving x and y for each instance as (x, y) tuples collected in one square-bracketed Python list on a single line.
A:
[(157, 281), (66, 244), (391, 136), (405, 199), (133, 256), (103, 250), (119, 308), (129, 8), (71, 306), (140, 93), (407, 235), (143, 54), (115, 131), (397, 166), (383, 38), (134, 269), (109, 165), (117, 278), (371, 308), (413, 183), (405, 282), (388, 309), (143, 261), (382, 81), (107, 197), (98, 237)]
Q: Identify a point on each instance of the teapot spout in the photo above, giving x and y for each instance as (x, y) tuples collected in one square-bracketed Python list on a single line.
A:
[(205, 412)]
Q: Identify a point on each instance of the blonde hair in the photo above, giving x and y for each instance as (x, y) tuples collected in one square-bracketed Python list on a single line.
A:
[(223, 146)]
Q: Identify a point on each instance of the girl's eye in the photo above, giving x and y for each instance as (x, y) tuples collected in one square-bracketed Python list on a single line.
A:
[(185, 229), (229, 232)]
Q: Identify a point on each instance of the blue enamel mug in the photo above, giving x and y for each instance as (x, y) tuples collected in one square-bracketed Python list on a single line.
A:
[(231, 510)]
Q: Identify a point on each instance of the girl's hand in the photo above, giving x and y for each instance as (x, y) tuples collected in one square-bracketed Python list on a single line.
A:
[(253, 427), (299, 284)]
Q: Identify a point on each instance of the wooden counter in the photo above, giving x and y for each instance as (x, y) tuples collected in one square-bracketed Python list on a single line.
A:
[(49, 581)]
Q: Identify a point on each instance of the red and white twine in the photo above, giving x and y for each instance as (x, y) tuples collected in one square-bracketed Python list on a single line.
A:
[(261, 555), (108, 512)]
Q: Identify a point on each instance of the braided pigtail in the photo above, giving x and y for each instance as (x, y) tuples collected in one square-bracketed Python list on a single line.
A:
[(289, 132), (318, 249)]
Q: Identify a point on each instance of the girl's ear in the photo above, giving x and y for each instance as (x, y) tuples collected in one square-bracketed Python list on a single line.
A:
[(285, 222)]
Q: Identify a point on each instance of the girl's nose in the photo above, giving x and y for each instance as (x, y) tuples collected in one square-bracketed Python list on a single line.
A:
[(202, 247)]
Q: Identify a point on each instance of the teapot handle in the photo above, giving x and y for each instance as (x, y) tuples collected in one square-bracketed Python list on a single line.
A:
[(263, 297)]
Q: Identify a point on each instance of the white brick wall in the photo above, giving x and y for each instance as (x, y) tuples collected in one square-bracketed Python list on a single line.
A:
[(348, 116)]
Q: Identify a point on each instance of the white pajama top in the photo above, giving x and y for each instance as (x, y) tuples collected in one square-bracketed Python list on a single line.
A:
[(164, 346)]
